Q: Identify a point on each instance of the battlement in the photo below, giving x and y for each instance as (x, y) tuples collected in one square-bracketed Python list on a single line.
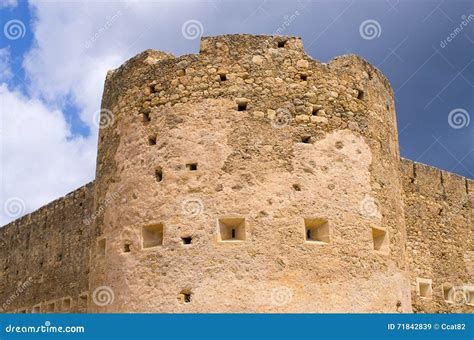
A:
[(247, 169)]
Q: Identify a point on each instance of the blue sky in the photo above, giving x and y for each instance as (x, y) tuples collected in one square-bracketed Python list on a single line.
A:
[(54, 56)]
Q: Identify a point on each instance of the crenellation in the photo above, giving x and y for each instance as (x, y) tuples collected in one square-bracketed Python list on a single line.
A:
[(247, 167)]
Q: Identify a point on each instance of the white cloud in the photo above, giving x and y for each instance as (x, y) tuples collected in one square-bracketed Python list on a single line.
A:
[(5, 70), (8, 3), (40, 160)]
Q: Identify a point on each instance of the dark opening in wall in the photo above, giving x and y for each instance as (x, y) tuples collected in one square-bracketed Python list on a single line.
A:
[(281, 43), (231, 229), (146, 116), (314, 111), (317, 230), (152, 89), (380, 239), (159, 174), (192, 166), (360, 94), (306, 139), (184, 297), (241, 106), (152, 235), (187, 239), (303, 76), (223, 76), (82, 302), (126, 247), (297, 187), (152, 140)]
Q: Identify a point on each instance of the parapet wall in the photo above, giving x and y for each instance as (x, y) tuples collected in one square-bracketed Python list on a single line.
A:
[(440, 233), (44, 257)]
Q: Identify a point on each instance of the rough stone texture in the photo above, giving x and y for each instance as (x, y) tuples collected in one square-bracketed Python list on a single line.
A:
[(44, 256), (278, 138)]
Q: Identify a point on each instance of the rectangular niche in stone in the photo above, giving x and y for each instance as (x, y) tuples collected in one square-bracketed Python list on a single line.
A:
[(152, 235), (317, 230), (231, 229), (424, 287), (380, 240)]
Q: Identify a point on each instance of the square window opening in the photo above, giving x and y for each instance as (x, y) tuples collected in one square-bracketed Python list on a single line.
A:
[(317, 230), (380, 239), (187, 240), (447, 295), (152, 140), (303, 76), (360, 95), (241, 106), (192, 166), (146, 117), (306, 139), (232, 229), (223, 77), (281, 43), (127, 247), (185, 296), (152, 235), (50, 307), (67, 303), (424, 288)]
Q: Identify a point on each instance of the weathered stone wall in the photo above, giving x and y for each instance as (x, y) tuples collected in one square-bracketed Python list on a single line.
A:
[(299, 158), (44, 257), (440, 233), (314, 141)]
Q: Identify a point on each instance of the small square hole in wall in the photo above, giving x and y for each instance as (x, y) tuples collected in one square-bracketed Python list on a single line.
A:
[(36, 309), (101, 244), (192, 166), (281, 43), (317, 230), (241, 106), (159, 174), (424, 288), (67, 303), (187, 239), (303, 76), (146, 116), (152, 140), (360, 94), (380, 239), (231, 229), (126, 247), (184, 297), (222, 76), (152, 235), (306, 139)]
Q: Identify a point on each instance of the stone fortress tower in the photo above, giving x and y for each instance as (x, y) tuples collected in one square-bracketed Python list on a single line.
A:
[(247, 178)]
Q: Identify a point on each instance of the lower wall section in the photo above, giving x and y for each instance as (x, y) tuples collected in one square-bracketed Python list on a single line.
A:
[(45, 257), (438, 210)]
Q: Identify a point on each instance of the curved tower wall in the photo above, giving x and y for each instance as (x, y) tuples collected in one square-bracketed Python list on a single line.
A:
[(284, 145)]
